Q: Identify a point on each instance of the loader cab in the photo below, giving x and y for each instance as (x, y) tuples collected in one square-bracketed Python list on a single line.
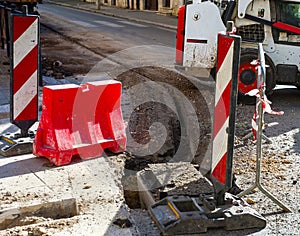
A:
[(274, 23), (287, 41), (287, 12)]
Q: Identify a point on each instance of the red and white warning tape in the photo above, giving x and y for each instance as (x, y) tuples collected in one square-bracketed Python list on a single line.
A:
[(266, 105)]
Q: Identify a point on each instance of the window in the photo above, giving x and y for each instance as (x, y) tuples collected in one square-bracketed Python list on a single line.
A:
[(289, 13)]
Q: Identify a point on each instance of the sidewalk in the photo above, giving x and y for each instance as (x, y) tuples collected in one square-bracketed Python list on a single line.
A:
[(149, 17)]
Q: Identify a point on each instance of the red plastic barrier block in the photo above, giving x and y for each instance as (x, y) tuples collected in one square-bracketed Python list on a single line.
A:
[(80, 120)]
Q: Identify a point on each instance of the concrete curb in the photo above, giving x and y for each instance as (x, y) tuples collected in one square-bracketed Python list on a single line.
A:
[(62, 208), (113, 15)]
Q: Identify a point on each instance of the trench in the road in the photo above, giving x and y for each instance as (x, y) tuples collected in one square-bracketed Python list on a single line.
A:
[(165, 110), (143, 116)]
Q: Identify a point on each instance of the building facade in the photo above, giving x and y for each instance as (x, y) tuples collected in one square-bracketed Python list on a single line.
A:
[(167, 7)]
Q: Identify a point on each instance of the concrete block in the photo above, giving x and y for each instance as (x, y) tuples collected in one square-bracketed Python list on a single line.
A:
[(62, 208)]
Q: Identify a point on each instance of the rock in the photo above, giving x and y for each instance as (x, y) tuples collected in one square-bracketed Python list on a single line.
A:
[(123, 222), (39, 231), (59, 75), (49, 73), (57, 63), (250, 201)]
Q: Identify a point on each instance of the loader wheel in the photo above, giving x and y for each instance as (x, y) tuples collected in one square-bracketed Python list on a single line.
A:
[(247, 79)]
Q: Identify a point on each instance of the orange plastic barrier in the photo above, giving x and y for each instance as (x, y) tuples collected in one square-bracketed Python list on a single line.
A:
[(80, 120)]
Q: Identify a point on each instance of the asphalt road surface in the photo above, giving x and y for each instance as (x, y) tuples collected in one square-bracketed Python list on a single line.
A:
[(132, 33)]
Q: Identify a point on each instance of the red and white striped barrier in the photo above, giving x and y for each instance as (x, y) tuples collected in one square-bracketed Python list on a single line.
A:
[(24, 61), (25, 68), (225, 106)]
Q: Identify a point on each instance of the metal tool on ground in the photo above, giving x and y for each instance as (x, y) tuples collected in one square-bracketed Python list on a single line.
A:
[(181, 215), (257, 184), (25, 54), (177, 215)]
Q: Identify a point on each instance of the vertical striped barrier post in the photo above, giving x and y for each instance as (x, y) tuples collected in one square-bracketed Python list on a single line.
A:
[(224, 114), (25, 69), (24, 46)]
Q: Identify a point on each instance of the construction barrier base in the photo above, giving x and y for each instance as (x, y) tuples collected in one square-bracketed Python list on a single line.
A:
[(13, 144), (178, 215), (80, 120)]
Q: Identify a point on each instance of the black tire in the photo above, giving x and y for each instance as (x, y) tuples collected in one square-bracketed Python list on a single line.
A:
[(246, 77)]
